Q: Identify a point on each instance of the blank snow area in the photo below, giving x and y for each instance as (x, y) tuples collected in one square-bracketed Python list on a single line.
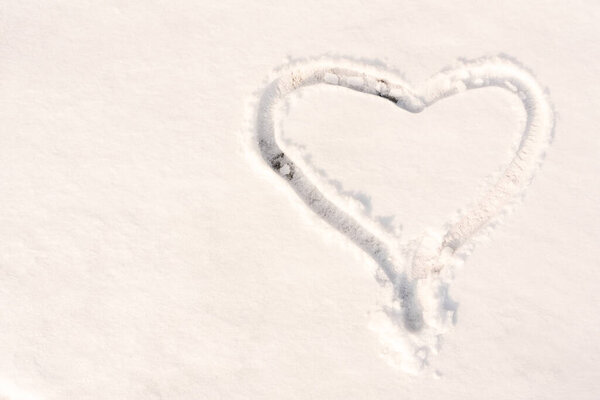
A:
[(409, 170)]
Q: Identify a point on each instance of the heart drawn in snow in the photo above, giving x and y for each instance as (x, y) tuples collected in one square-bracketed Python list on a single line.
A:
[(415, 273)]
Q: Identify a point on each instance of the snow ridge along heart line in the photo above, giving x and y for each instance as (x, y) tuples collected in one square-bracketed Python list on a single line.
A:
[(418, 272)]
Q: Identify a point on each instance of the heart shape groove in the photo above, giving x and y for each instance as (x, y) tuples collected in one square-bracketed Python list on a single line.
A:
[(426, 260)]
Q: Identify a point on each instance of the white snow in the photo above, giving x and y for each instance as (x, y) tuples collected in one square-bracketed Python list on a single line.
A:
[(148, 251)]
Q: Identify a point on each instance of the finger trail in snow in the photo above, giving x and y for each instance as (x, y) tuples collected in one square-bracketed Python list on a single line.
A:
[(420, 288)]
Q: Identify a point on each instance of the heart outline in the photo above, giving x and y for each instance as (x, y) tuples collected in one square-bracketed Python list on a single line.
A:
[(499, 71)]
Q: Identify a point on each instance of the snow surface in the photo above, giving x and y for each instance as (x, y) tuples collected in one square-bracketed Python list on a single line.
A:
[(149, 251)]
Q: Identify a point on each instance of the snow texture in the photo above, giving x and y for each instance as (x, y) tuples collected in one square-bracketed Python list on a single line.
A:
[(178, 222)]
